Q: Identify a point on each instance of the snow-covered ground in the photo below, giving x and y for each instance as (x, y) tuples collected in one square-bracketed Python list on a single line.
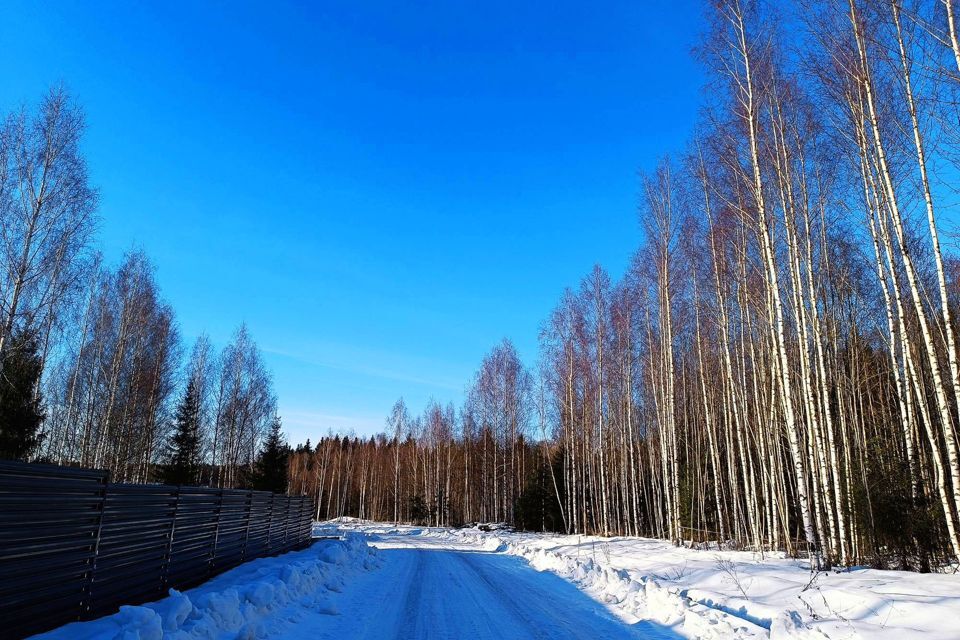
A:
[(714, 594), (734, 594), (264, 598), (383, 581)]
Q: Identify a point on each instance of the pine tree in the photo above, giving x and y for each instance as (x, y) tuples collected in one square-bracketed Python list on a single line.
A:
[(21, 405), (183, 450), (419, 513), (306, 448), (270, 471)]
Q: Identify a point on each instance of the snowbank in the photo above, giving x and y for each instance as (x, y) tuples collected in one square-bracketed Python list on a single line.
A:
[(239, 601), (728, 594), (714, 594), (639, 597), (697, 594)]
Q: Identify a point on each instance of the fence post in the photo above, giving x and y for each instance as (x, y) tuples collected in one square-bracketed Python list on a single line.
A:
[(286, 524), (216, 535), (306, 517), (165, 569), (298, 528), (86, 602), (246, 532), (270, 525), (311, 509)]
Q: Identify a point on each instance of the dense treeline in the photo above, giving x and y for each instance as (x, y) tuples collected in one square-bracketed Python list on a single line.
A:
[(91, 366), (778, 368)]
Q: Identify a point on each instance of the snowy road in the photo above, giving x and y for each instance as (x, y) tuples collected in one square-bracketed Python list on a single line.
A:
[(431, 589), (383, 583), (379, 581)]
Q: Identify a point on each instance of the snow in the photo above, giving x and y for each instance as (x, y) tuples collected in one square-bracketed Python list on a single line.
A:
[(383, 581), (728, 594), (430, 587), (248, 602)]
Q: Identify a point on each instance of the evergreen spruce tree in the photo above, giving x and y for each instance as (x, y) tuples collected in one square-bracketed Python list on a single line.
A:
[(183, 450), (21, 405), (270, 471), (537, 508)]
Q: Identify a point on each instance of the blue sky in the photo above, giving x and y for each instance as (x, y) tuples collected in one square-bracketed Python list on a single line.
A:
[(382, 191)]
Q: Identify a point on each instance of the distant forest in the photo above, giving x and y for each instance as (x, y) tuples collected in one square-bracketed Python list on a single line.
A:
[(778, 368), (93, 370)]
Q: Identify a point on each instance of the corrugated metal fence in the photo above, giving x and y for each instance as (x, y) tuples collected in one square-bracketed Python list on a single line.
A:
[(75, 547)]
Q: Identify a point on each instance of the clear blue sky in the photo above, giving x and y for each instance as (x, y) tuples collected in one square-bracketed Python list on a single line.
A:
[(382, 191)]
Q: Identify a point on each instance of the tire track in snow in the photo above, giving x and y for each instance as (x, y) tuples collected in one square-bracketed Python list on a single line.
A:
[(547, 613), (411, 604), (426, 590)]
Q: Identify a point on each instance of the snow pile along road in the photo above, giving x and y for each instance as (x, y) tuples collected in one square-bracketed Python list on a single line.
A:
[(254, 600), (731, 594), (642, 597), (632, 598), (725, 594)]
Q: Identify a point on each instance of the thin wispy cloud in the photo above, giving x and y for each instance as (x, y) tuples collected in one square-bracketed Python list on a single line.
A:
[(324, 422), (373, 372)]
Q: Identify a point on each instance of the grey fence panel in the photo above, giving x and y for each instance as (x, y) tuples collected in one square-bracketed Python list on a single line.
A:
[(278, 523), (49, 524), (231, 529), (258, 527), (194, 537), (74, 547), (134, 545), (304, 523)]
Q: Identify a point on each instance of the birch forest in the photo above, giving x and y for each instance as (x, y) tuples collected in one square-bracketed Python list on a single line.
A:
[(92, 363), (777, 369)]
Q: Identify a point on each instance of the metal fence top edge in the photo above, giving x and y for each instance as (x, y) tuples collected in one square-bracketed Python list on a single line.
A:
[(16, 467), (35, 468)]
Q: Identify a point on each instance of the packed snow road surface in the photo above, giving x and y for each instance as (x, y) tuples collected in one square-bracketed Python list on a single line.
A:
[(427, 588)]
